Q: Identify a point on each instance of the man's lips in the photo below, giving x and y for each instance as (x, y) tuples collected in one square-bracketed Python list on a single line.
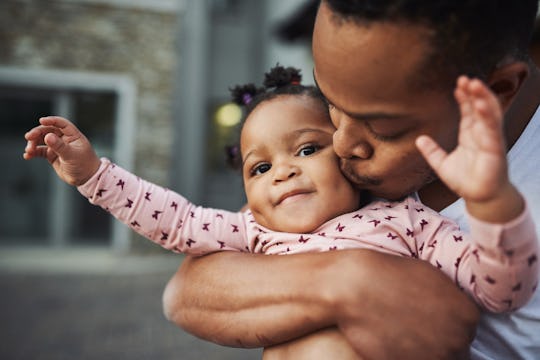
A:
[(359, 180), (291, 195)]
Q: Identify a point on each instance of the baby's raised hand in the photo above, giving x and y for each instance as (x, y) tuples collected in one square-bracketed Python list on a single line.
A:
[(477, 169), (65, 147)]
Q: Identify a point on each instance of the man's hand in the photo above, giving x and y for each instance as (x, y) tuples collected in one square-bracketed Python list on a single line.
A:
[(67, 149), (400, 308)]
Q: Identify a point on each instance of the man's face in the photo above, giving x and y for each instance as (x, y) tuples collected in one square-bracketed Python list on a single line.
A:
[(366, 72)]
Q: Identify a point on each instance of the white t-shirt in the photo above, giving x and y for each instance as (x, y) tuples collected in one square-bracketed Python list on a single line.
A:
[(516, 335)]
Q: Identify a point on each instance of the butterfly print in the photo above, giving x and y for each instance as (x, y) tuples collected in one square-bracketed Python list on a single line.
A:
[(121, 183), (375, 222)]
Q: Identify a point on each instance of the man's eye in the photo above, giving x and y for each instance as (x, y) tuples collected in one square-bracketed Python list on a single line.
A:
[(260, 169), (387, 138), (308, 150), (386, 135)]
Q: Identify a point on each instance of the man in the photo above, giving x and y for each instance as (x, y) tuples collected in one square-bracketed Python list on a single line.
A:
[(388, 70)]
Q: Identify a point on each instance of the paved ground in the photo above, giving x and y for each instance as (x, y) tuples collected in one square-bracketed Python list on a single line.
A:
[(89, 304)]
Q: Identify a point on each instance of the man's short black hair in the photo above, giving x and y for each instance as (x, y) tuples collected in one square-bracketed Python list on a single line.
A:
[(469, 36)]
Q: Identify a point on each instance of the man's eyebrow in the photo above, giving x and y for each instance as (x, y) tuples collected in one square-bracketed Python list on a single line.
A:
[(358, 116)]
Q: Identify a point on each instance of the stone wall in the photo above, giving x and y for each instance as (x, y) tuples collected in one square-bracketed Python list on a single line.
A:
[(86, 36)]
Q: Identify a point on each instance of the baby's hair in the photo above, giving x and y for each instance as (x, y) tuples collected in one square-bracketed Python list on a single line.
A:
[(278, 81)]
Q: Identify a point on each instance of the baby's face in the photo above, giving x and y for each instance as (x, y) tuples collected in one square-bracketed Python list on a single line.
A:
[(291, 174)]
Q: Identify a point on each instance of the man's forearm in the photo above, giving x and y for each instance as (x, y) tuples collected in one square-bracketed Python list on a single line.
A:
[(386, 306), (248, 300)]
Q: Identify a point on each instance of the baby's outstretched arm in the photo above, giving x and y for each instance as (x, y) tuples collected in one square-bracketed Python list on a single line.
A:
[(477, 168), (67, 149)]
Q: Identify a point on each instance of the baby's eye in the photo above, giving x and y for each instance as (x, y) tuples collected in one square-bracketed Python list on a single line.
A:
[(308, 150), (260, 169)]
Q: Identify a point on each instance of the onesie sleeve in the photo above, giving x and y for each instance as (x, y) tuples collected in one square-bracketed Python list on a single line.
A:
[(497, 264), (163, 216)]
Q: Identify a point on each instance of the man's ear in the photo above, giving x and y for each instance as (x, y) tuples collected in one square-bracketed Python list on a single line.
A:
[(506, 80)]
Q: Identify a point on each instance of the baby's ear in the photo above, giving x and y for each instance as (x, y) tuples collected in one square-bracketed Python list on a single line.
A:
[(506, 80)]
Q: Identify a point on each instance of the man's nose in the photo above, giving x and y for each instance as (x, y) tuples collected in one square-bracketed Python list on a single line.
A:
[(349, 140)]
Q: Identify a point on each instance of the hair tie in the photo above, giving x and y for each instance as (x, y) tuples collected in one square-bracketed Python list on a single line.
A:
[(232, 153), (246, 98)]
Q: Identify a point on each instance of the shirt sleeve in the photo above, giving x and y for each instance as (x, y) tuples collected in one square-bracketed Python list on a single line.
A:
[(497, 264), (163, 216)]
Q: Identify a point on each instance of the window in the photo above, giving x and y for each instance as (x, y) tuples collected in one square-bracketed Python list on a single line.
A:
[(37, 208)]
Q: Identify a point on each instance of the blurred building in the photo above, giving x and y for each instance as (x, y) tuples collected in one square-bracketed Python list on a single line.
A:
[(146, 81)]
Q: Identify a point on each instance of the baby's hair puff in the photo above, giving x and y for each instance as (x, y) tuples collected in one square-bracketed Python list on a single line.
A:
[(244, 94), (280, 76), (278, 81)]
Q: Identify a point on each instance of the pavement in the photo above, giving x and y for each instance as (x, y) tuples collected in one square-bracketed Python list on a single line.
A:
[(92, 304)]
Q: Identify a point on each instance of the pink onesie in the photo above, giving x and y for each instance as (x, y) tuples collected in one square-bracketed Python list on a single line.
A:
[(497, 264)]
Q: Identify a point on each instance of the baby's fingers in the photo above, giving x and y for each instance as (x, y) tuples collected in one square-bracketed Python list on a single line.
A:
[(37, 134), (486, 103), (63, 125), (35, 151), (431, 151)]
